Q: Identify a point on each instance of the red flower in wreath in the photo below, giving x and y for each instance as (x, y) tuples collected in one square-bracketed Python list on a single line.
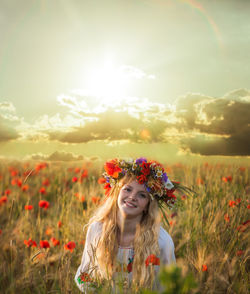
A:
[(141, 179), (146, 168), (112, 169), (152, 259)]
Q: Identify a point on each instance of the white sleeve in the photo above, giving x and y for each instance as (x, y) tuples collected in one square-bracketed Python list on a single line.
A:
[(166, 245), (87, 265)]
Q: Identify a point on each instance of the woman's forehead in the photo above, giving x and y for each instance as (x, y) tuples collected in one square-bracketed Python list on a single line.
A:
[(134, 184)]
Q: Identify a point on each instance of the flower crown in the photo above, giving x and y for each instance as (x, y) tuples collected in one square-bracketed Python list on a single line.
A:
[(149, 173)]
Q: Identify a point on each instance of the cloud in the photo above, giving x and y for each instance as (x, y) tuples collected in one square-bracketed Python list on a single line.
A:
[(57, 156), (223, 122), (7, 132), (7, 106), (116, 125), (134, 72), (197, 123)]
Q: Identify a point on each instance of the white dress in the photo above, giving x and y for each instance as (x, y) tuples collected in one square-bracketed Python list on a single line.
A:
[(124, 257)]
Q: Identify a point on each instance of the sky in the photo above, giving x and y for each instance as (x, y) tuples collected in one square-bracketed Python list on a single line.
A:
[(160, 78)]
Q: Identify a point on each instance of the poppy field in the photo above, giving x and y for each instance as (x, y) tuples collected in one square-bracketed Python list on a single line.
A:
[(44, 206)]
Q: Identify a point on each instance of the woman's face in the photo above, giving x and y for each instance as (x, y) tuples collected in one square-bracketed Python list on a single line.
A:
[(133, 199)]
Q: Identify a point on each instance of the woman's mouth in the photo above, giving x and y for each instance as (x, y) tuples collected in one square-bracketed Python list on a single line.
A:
[(129, 204)]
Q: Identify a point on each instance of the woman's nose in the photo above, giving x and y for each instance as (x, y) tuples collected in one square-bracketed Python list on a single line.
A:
[(133, 196)]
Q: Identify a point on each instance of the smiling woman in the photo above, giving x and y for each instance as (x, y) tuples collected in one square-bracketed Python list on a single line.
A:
[(125, 240)]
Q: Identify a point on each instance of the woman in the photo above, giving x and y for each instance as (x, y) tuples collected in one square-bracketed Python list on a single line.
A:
[(124, 238)]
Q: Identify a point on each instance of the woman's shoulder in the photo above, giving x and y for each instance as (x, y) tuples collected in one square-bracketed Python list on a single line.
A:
[(165, 239), (94, 230), (95, 226)]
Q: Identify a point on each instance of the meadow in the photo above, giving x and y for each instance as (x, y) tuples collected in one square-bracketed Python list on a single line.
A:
[(44, 206)]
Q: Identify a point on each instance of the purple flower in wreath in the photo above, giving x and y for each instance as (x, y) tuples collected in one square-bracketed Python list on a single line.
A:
[(165, 177), (141, 160)]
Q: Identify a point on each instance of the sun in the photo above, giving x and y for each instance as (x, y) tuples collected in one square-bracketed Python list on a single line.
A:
[(107, 83)]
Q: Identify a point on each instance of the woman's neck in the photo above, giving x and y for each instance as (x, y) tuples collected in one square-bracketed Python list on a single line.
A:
[(127, 229)]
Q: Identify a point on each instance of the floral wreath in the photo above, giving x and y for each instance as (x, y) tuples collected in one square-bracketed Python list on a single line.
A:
[(149, 173)]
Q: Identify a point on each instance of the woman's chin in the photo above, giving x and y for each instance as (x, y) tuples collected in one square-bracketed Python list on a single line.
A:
[(129, 212)]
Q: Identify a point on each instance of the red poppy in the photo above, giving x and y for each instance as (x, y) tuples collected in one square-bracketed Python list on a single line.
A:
[(96, 199), (55, 241), (40, 166), (28, 207), (7, 192), (239, 252), (13, 182), (48, 231), (77, 170), (42, 190), (101, 180), (0, 231), (231, 203), (59, 224), (227, 179), (248, 206), (70, 246), (44, 204), (152, 259), (3, 199), (204, 268), (44, 244), (226, 217), (19, 183), (25, 188), (82, 198), (30, 243), (199, 181), (112, 168), (84, 174), (107, 188), (74, 179), (238, 201), (14, 173), (46, 182)]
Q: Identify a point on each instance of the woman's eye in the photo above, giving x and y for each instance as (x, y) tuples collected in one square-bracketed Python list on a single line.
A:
[(143, 195), (127, 189)]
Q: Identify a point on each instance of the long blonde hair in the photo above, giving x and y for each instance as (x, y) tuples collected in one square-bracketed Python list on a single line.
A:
[(145, 240)]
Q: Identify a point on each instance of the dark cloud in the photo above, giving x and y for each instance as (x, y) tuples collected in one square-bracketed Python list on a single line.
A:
[(228, 119), (112, 126), (7, 133), (236, 145), (203, 124)]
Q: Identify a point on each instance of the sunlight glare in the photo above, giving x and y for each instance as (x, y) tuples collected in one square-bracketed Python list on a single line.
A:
[(107, 83)]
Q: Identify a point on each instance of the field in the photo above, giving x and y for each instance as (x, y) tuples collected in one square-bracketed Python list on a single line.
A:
[(47, 204)]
